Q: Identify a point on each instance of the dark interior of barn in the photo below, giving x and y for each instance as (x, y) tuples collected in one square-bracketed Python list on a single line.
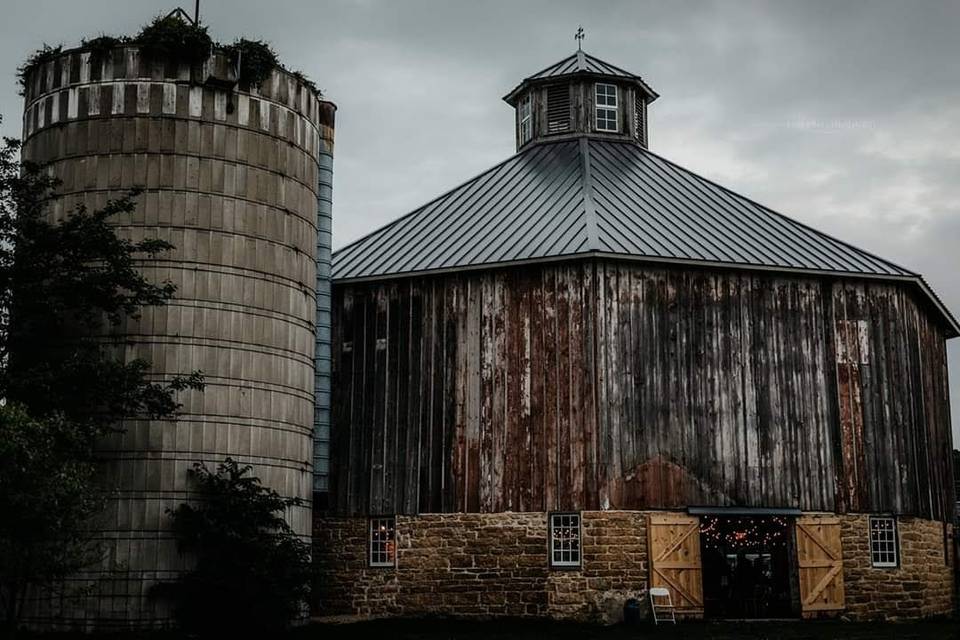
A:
[(747, 573)]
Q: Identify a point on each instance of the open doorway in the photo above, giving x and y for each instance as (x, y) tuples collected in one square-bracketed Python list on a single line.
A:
[(747, 568)]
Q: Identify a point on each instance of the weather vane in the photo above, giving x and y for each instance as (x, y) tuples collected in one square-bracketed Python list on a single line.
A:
[(579, 37)]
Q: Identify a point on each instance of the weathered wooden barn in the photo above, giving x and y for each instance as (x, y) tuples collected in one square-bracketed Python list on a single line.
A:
[(589, 370)]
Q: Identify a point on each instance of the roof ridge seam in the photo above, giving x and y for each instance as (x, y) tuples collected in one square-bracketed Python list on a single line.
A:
[(590, 210)]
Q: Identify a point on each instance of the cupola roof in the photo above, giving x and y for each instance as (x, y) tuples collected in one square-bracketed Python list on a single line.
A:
[(581, 63)]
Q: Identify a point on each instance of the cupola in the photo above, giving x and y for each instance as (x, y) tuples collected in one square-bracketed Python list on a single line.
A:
[(581, 95)]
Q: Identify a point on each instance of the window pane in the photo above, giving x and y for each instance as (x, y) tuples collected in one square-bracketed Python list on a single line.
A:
[(883, 542), (565, 539), (606, 95), (382, 541)]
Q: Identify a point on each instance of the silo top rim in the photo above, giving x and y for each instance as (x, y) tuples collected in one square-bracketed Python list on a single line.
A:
[(216, 50)]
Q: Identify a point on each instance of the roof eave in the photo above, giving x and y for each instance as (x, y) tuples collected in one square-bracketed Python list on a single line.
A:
[(951, 326)]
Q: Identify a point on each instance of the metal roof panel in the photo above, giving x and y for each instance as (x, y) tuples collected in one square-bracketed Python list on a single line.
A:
[(541, 204)]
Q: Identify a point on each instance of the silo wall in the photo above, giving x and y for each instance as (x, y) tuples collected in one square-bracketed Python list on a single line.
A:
[(230, 176)]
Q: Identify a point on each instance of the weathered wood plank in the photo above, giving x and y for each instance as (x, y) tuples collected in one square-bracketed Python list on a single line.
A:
[(391, 445), (451, 432), (551, 381), (414, 333), (379, 384), (537, 444), (585, 384), (569, 418), (426, 414), (366, 406), (473, 359), (487, 391), (595, 384)]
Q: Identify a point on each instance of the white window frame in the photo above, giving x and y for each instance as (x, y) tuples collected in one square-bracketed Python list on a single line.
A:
[(525, 113), (604, 104), (382, 542), (884, 542), (566, 537)]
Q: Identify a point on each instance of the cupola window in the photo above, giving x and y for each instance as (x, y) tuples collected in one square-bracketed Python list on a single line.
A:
[(605, 101), (526, 119)]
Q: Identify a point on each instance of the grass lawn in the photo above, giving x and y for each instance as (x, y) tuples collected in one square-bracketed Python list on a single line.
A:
[(532, 630)]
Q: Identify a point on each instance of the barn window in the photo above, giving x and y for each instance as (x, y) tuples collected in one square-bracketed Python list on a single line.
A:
[(383, 543), (883, 542), (564, 539), (606, 106), (526, 119)]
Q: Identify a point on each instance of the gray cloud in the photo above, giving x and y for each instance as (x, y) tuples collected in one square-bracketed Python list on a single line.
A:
[(843, 115)]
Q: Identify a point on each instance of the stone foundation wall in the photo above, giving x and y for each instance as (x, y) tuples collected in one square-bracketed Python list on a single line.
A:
[(490, 565), (920, 587), (482, 565)]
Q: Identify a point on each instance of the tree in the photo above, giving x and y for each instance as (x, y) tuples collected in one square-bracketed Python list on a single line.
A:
[(252, 572), (64, 284), (46, 502)]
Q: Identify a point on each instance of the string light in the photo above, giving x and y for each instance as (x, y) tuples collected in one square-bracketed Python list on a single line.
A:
[(743, 532)]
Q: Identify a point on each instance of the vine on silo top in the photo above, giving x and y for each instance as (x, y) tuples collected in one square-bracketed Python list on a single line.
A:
[(172, 37), (257, 60), (44, 54), (102, 46), (308, 83)]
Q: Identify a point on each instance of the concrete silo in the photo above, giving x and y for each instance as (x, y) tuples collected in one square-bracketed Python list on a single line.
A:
[(231, 177)]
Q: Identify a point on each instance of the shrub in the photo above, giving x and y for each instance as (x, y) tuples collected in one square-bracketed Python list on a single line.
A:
[(257, 60), (252, 572), (172, 36)]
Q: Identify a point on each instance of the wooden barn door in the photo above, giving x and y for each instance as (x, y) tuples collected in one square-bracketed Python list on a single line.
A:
[(674, 544), (820, 563)]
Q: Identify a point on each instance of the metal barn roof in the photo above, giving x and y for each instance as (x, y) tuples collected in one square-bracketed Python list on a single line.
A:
[(591, 196), (596, 196)]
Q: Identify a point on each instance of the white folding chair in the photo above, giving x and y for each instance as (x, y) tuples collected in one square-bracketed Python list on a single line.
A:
[(661, 604)]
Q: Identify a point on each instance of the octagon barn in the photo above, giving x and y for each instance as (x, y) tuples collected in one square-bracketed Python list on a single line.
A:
[(589, 371)]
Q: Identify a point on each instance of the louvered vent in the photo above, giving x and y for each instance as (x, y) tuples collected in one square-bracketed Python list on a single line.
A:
[(639, 119), (558, 108)]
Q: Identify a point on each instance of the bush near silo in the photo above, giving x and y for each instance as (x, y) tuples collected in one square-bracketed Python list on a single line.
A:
[(252, 572), (257, 60), (173, 37)]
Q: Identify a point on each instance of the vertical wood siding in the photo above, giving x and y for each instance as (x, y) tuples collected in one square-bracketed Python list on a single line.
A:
[(894, 418), (595, 385)]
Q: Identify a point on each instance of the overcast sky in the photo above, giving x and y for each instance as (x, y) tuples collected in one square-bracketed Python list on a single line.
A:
[(844, 115)]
